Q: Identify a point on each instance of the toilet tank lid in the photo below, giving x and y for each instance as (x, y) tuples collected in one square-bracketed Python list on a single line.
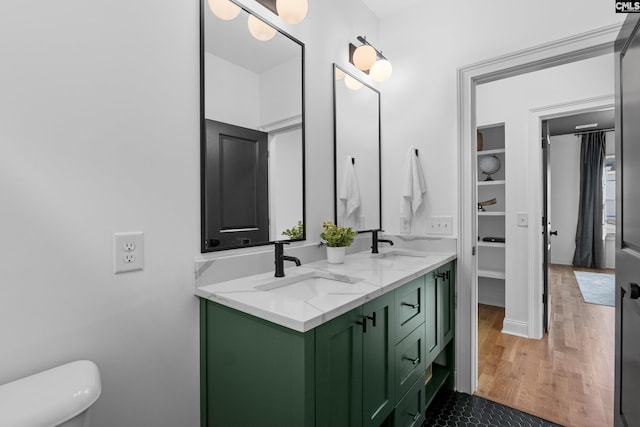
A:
[(50, 397)]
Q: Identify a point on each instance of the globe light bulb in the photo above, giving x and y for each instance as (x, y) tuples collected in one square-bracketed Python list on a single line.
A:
[(352, 83), (292, 11), (224, 9), (260, 29), (364, 57), (381, 70)]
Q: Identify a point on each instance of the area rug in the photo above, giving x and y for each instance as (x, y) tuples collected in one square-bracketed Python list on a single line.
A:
[(597, 288)]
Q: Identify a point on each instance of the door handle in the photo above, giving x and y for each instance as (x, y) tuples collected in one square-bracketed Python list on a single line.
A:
[(553, 233), (633, 290)]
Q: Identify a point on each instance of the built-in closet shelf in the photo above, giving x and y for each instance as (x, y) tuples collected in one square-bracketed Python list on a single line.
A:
[(496, 182), (490, 276), (489, 152), (491, 244), (491, 273), (487, 213)]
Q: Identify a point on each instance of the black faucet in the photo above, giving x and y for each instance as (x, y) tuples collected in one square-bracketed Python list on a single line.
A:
[(375, 241), (281, 258)]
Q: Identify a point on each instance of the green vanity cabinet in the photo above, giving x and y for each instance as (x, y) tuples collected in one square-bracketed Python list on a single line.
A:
[(367, 367), (339, 370), (432, 340), (410, 307), (354, 366), (440, 295), (446, 302), (410, 411), (254, 372)]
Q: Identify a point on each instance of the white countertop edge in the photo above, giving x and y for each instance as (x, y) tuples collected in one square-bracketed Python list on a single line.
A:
[(313, 322)]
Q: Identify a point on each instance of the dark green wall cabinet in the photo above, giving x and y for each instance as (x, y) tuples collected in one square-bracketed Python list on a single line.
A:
[(367, 367)]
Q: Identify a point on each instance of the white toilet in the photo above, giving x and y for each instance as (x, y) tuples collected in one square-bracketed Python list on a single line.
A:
[(59, 397)]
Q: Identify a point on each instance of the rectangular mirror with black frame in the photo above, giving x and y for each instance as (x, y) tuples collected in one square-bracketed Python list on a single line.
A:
[(252, 131), (356, 111)]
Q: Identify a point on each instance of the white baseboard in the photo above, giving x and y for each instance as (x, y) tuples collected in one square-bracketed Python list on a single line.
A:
[(515, 327), (494, 300)]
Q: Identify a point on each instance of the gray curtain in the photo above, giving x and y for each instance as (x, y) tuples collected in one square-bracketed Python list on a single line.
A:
[(589, 245)]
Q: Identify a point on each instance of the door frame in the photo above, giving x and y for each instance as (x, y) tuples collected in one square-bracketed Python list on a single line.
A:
[(575, 48), (536, 248)]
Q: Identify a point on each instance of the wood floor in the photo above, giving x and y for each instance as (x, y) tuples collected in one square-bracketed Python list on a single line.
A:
[(567, 377)]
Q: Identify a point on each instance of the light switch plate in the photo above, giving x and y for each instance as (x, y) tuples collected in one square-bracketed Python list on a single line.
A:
[(523, 219), (440, 225)]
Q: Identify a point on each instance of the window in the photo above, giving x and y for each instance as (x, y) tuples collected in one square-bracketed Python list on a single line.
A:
[(609, 190)]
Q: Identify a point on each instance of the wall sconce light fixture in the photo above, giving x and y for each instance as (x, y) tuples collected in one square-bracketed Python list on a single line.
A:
[(370, 60), (224, 9), (290, 11)]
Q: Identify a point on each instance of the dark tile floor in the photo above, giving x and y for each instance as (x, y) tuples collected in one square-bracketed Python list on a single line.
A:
[(462, 410)]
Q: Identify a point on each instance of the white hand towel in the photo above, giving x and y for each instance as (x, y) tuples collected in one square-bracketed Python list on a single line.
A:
[(350, 190), (414, 186)]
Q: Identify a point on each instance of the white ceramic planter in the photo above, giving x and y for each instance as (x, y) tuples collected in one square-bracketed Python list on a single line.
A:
[(336, 255)]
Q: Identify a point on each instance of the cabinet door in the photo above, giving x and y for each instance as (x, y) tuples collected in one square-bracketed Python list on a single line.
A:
[(339, 371), (432, 338), (409, 307), (446, 301), (378, 360)]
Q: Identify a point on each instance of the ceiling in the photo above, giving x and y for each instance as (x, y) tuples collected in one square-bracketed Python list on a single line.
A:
[(567, 124), (383, 8)]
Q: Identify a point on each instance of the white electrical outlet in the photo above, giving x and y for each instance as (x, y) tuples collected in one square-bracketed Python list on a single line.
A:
[(442, 225), (128, 252)]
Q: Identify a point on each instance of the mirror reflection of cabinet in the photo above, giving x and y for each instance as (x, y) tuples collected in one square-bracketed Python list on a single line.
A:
[(250, 192), (357, 153)]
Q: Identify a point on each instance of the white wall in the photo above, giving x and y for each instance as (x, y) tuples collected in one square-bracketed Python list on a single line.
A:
[(237, 86), (277, 100), (285, 187), (426, 45), (99, 133), (510, 101)]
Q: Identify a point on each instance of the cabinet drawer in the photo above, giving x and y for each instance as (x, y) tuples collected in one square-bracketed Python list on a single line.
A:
[(410, 360), (409, 411), (410, 307)]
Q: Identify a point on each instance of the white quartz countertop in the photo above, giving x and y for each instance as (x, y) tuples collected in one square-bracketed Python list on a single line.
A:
[(362, 277)]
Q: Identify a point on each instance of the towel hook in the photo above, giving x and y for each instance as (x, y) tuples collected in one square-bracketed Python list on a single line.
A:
[(353, 160), (416, 152)]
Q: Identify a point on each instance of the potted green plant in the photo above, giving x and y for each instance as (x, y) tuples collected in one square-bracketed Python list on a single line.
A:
[(296, 232), (337, 239)]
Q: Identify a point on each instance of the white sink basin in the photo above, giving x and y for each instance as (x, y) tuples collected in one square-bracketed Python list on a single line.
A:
[(310, 285), (400, 255)]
